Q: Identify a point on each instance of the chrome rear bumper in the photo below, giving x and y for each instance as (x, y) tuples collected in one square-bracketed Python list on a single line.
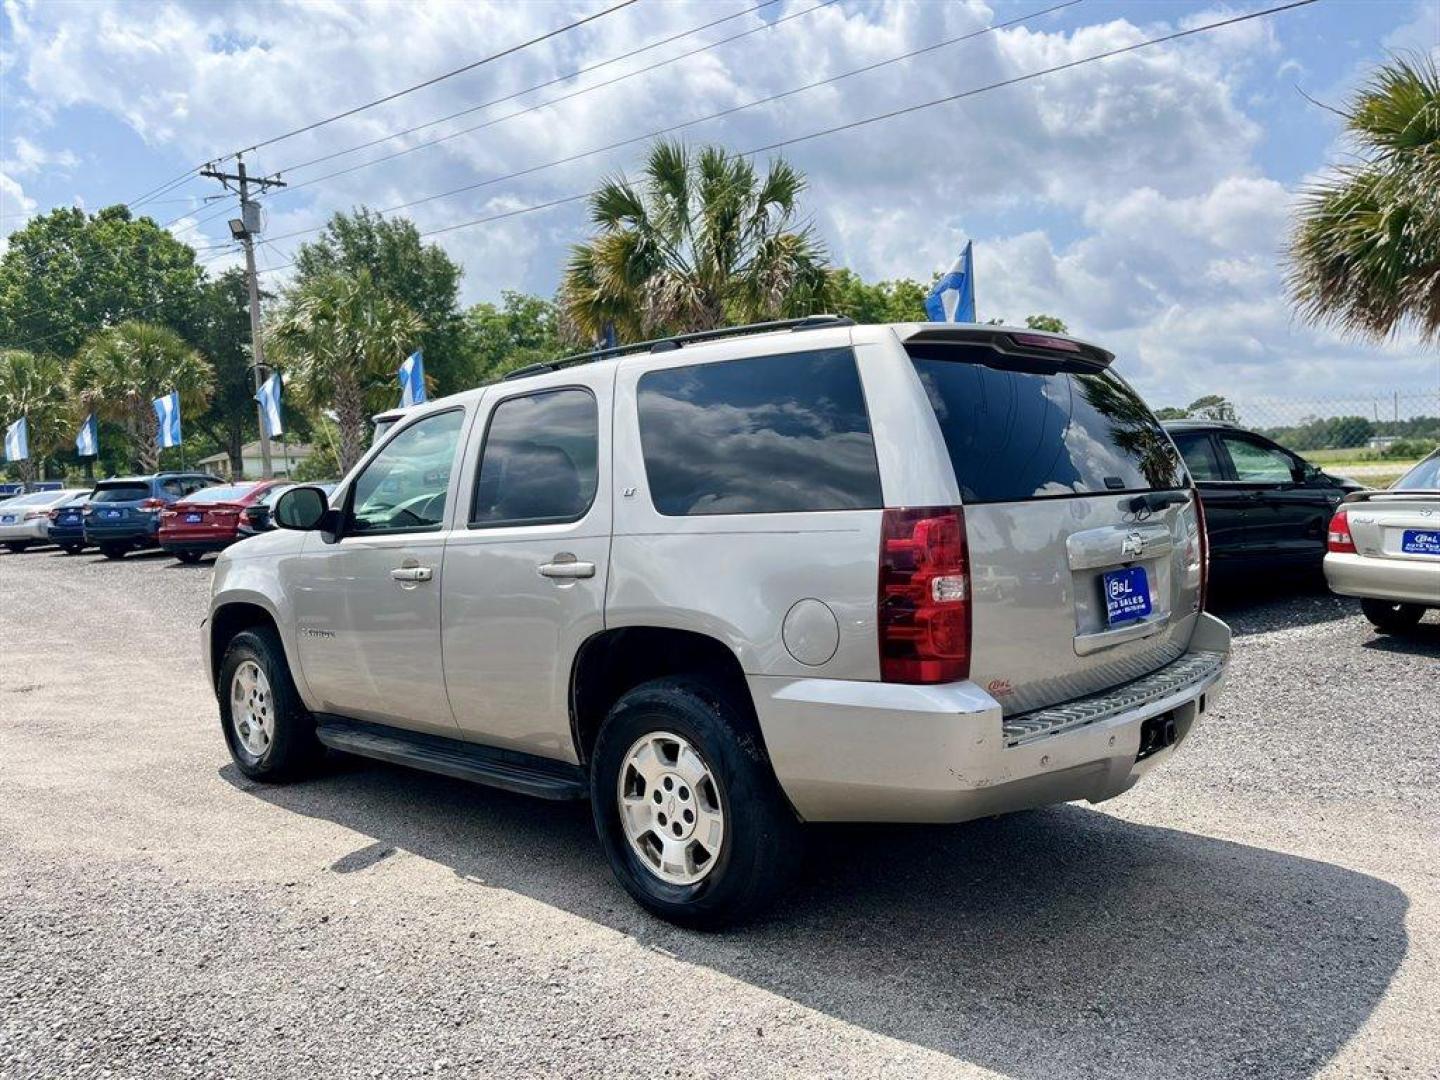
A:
[(866, 751)]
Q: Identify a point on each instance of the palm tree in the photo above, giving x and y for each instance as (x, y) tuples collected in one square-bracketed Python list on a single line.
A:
[(702, 241), (342, 341), (119, 373), (1365, 251), (33, 387)]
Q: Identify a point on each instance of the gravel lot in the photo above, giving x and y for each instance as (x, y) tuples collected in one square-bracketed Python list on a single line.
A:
[(1269, 905)]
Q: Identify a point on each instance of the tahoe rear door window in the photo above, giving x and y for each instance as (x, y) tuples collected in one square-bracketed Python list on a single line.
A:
[(1038, 430), (763, 435)]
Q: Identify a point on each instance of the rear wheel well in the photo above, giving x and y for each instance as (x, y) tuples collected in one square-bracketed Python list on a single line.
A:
[(230, 620), (615, 661)]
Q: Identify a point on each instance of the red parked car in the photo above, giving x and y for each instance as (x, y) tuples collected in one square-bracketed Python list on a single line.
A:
[(206, 520)]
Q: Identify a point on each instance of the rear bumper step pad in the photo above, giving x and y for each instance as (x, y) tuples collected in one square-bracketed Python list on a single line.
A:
[(1190, 670)]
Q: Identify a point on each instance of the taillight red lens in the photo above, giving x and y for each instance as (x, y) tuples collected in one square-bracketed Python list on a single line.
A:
[(924, 595), (151, 504), (53, 515), (1338, 538)]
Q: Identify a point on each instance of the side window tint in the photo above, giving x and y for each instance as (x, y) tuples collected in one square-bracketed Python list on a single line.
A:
[(770, 434), (1256, 464), (403, 488), (539, 465), (174, 488), (1199, 454)]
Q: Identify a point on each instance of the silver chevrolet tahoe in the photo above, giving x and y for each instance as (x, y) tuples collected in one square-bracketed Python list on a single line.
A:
[(728, 583)]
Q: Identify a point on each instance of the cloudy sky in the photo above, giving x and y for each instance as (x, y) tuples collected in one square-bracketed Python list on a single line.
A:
[(1144, 199)]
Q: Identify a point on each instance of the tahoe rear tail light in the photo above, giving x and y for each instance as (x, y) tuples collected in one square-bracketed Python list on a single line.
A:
[(151, 504), (1338, 538), (924, 595)]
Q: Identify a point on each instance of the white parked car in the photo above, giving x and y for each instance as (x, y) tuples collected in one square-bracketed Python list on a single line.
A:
[(1384, 547), (726, 583), (25, 519)]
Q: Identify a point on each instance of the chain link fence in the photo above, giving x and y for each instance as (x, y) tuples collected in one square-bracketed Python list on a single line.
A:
[(1373, 436)]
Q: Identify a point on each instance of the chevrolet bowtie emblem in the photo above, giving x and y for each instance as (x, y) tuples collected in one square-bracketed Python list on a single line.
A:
[(1134, 545)]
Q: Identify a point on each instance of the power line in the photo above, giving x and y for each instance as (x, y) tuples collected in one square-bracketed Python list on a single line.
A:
[(540, 86), (557, 100), (432, 81), (1094, 58), (864, 121), (708, 117), (532, 108)]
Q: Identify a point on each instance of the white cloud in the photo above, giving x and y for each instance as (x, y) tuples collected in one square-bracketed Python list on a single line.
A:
[(28, 158), (1125, 196), (15, 208)]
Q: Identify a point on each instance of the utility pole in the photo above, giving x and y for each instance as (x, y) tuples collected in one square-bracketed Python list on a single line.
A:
[(244, 228)]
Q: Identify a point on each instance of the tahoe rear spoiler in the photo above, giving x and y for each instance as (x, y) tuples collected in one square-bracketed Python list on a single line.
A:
[(1011, 341)]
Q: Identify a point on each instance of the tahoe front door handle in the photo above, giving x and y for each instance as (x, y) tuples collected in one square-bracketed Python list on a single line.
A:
[(412, 573), (567, 566)]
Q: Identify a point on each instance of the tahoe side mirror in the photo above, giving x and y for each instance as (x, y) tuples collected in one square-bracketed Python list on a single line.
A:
[(302, 509)]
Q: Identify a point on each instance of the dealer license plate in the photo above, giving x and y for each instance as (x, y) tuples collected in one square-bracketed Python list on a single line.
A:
[(1127, 594), (1420, 542)]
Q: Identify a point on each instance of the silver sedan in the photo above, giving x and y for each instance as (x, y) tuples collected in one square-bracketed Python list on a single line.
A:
[(25, 519), (1384, 547)]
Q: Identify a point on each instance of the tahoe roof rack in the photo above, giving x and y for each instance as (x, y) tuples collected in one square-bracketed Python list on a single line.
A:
[(809, 322)]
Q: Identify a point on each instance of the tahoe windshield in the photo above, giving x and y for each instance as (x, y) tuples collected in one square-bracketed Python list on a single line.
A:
[(1036, 430), (111, 493)]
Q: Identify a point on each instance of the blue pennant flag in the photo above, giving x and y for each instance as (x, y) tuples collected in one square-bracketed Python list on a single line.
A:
[(87, 443), (412, 380), (167, 412), (17, 440), (953, 297), (269, 398)]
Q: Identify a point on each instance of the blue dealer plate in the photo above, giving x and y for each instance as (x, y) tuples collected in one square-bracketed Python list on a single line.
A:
[(194, 519), (113, 513), (1127, 594), (8, 519), (1420, 542)]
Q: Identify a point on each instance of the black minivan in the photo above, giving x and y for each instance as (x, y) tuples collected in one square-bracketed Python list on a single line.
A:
[(1266, 507)]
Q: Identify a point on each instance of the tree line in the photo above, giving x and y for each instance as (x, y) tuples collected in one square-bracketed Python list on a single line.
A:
[(104, 312)]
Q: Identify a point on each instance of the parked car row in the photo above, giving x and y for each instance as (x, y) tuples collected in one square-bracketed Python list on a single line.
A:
[(1268, 510), (186, 514)]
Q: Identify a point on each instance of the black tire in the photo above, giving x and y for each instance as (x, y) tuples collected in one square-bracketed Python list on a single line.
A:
[(17, 546), (761, 848), (189, 557), (1392, 618), (113, 551), (71, 549), (294, 750)]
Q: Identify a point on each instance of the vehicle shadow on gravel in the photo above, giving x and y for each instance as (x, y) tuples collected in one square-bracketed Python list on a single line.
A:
[(1062, 942), (1259, 605), (1421, 640)]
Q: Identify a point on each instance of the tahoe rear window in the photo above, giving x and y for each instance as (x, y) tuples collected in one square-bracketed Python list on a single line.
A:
[(1035, 430), (764, 435), (108, 493)]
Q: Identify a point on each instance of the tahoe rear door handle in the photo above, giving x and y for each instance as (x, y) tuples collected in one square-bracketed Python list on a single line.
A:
[(412, 573), (566, 565)]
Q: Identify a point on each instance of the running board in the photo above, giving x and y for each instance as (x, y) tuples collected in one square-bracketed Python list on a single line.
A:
[(511, 770)]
